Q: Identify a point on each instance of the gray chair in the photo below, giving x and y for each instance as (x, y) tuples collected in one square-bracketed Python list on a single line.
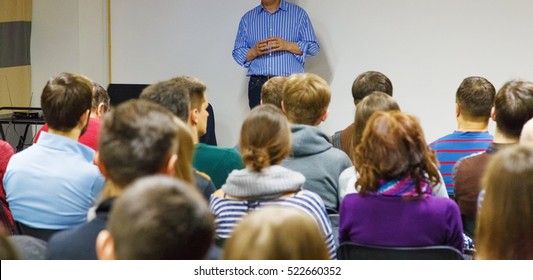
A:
[(354, 251), (29, 247), (334, 219)]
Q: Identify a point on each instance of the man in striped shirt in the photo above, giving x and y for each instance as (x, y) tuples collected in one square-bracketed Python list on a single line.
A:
[(273, 39), (474, 100)]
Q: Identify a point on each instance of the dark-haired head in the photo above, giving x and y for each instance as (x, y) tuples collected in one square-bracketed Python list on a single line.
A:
[(158, 217), (513, 107), (368, 82), (65, 98), (137, 138)]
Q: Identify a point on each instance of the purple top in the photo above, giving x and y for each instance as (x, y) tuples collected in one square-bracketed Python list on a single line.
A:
[(381, 220)]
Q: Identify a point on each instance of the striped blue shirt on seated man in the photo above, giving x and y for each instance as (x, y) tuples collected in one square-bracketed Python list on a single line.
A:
[(273, 39)]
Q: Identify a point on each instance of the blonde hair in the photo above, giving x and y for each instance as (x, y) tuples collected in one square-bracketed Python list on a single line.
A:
[(272, 90), (269, 234), (504, 227), (183, 167), (306, 98), (265, 137)]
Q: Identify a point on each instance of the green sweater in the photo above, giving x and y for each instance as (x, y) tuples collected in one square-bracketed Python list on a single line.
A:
[(216, 162)]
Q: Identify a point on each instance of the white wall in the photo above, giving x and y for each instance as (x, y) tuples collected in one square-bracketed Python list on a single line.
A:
[(426, 47), (68, 36)]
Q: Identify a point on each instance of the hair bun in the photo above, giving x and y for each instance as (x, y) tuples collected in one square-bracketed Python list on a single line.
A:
[(257, 158)]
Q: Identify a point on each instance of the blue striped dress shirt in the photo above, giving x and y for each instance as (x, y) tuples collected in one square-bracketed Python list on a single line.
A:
[(291, 23)]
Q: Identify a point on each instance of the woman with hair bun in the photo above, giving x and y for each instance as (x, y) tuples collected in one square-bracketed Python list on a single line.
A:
[(265, 141)]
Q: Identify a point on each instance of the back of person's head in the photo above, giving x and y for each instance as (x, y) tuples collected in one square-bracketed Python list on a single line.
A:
[(368, 82), (158, 217), (269, 234), (65, 98), (306, 98), (137, 138), (475, 98), (393, 147), (513, 107), (271, 92), (375, 102), (195, 87), (265, 137), (183, 168), (100, 96), (505, 220), (526, 136), (170, 94)]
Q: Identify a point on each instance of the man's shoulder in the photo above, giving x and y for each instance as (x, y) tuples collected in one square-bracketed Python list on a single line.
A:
[(201, 177), (4, 146), (461, 138), (337, 153), (443, 138), (252, 12), (29, 154), (222, 151), (291, 6), (471, 161), (77, 242)]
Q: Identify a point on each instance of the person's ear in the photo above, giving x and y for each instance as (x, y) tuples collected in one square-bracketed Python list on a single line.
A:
[(169, 168), (493, 114), (100, 110), (84, 118), (98, 162), (324, 116), (457, 110), (105, 246), (193, 117)]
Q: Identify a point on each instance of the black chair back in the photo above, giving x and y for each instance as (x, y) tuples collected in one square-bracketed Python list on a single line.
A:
[(43, 234), (354, 251)]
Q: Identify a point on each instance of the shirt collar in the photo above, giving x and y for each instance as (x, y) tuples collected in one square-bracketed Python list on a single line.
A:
[(282, 6), (495, 147), (61, 143)]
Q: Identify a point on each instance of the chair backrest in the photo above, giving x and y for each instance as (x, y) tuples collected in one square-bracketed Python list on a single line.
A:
[(334, 219), (43, 234), (29, 247), (119, 93), (354, 251)]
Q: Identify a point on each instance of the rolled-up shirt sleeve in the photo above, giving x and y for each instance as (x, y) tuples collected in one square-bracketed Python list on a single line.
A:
[(240, 49), (307, 42)]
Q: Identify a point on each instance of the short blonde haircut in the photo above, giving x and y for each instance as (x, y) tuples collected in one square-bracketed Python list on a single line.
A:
[(306, 98), (269, 234), (272, 90)]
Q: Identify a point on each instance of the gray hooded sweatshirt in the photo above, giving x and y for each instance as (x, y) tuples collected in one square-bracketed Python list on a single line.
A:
[(320, 163)]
